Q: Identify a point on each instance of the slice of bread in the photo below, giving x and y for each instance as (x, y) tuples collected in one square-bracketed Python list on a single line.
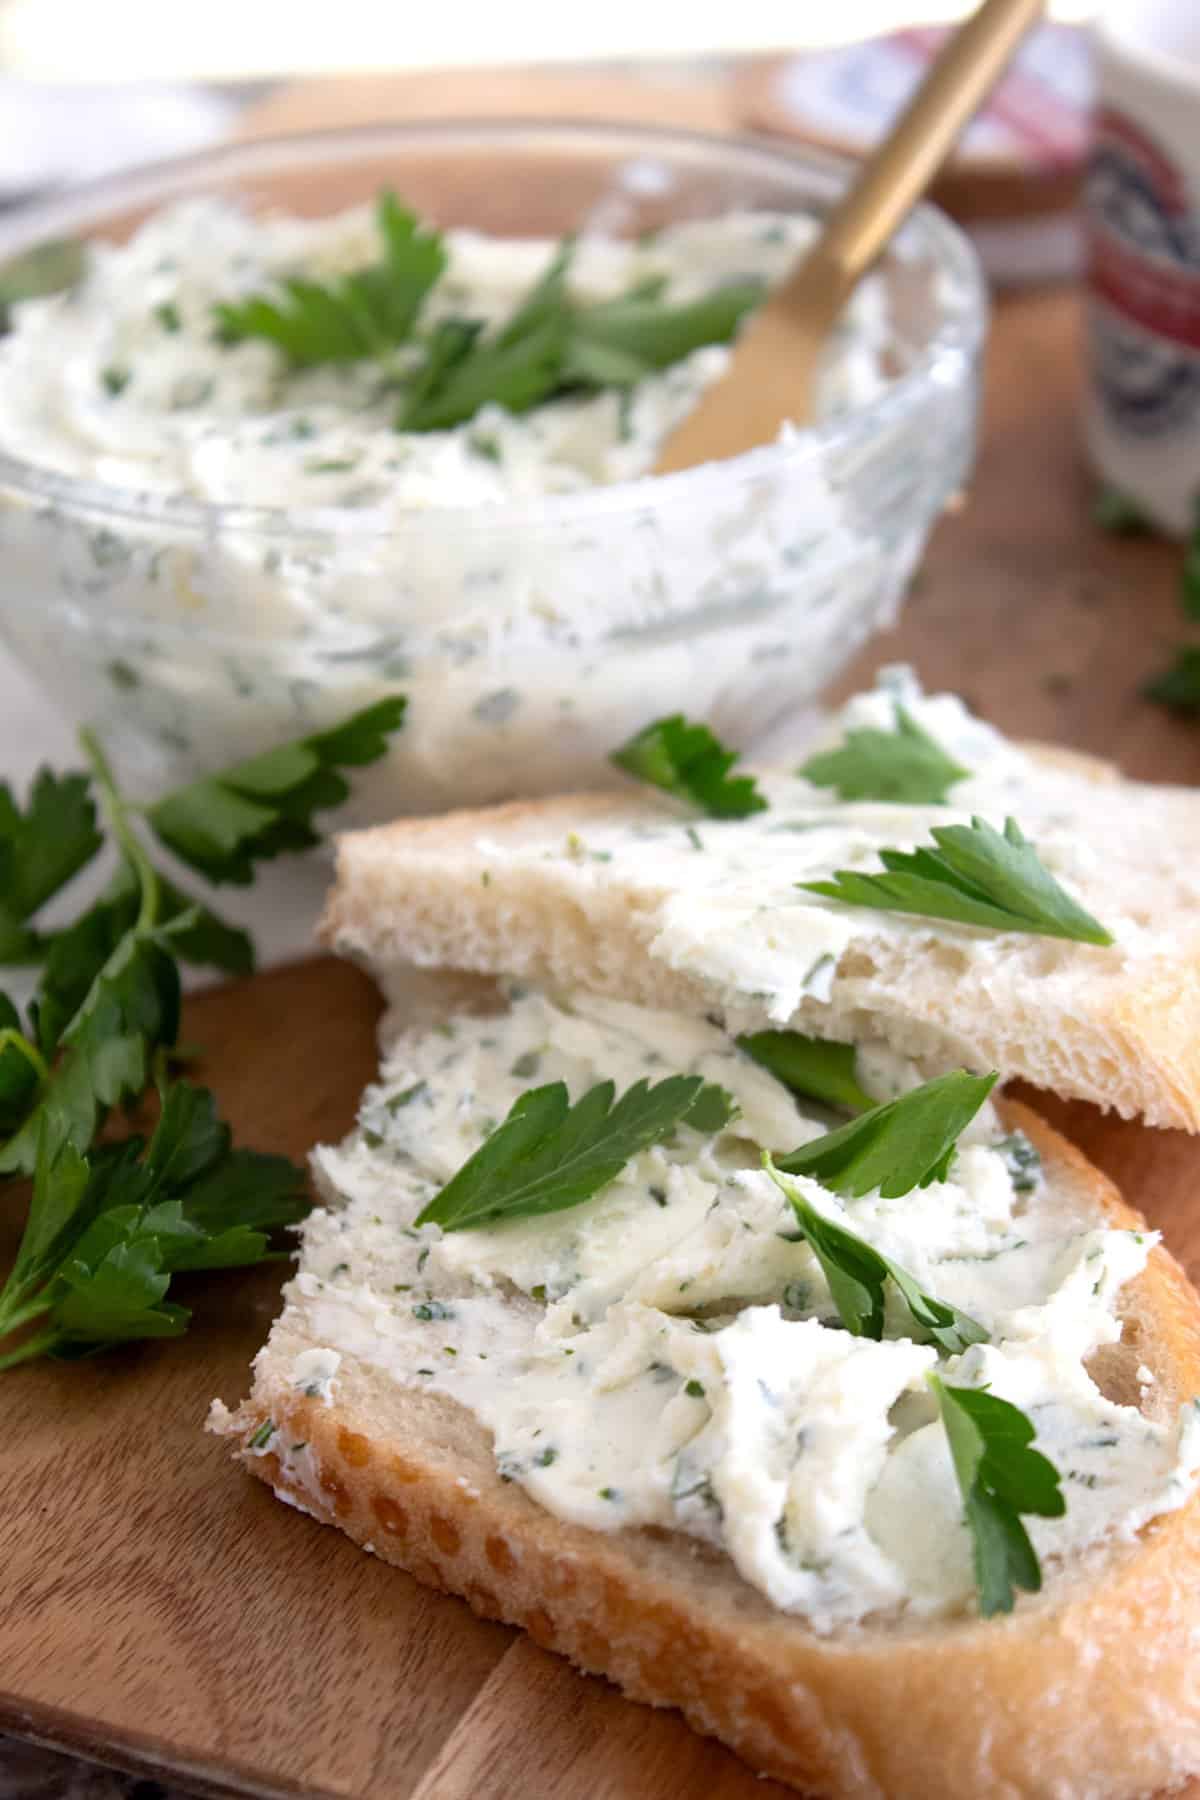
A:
[(607, 893), (1089, 1688)]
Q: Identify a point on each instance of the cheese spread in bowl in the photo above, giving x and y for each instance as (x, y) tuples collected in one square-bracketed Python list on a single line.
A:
[(212, 544)]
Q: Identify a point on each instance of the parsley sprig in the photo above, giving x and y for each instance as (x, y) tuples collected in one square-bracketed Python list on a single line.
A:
[(690, 762), (858, 1275), (905, 765), (550, 344), (104, 1022), (41, 848), (974, 875), (548, 1155), (106, 1232), (904, 1144), (223, 824), (365, 314), (1000, 1478)]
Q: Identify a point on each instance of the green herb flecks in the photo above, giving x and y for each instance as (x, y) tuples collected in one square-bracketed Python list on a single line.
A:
[(1022, 1161)]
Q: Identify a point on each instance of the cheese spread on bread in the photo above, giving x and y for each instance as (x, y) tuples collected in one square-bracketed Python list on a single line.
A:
[(666, 1354), (721, 900)]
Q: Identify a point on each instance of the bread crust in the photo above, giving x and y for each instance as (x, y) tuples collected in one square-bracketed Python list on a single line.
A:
[(1090, 1689)]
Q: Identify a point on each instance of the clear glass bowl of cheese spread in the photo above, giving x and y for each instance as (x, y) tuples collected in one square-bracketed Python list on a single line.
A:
[(210, 546)]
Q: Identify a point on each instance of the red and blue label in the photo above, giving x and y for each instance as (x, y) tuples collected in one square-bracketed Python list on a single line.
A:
[(1144, 279)]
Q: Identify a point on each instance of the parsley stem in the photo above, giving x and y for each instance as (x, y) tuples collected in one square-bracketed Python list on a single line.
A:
[(37, 1345), (122, 826), (16, 1312), (18, 1040)]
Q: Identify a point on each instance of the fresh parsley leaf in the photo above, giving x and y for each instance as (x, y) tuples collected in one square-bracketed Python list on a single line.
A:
[(365, 314), (592, 365), (73, 960), (549, 346), (1000, 1478), (130, 1010), (223, 824), (1119, 513), (904, 765), (817, 1068), (688, 761), (640, 326), (548, 1155), (544, 304), (106, 1232), (858, 1274), (1179, 686), (515, 374), (40, 850), (712, 1110), (974, 876), (75, 956), (20, 1069), (111, 1292), (201, 937), (894, 1148), (449, 343)]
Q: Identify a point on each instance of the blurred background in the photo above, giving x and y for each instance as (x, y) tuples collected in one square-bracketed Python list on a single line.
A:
[(233, 41), (86, 88)]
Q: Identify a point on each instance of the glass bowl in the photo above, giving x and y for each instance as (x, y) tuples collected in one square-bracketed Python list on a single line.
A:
[(531, 638)]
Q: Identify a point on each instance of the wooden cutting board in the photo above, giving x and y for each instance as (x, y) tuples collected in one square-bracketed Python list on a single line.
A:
[(159, 1609)]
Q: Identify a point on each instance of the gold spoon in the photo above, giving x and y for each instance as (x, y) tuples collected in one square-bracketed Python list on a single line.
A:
[(770, 378)]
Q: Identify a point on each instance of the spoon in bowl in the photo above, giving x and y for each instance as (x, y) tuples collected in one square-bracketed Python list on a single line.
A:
[(771, 376)]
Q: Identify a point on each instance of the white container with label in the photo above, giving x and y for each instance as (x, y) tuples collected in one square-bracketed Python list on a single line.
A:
[(1143, 217)]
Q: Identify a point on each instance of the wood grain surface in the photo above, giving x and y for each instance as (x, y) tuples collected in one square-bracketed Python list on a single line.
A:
[(700, 101), (160, 1609)]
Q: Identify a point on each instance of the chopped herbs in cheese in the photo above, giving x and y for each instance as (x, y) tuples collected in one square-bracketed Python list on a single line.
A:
[(406, 540), (672, 1351), (758, 912)]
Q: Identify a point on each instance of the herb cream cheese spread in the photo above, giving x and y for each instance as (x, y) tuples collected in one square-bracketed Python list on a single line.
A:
[(668, 1353), (722, 899), (263, 551)]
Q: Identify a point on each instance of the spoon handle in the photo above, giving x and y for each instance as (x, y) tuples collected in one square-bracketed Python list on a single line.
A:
[(896, 175)]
